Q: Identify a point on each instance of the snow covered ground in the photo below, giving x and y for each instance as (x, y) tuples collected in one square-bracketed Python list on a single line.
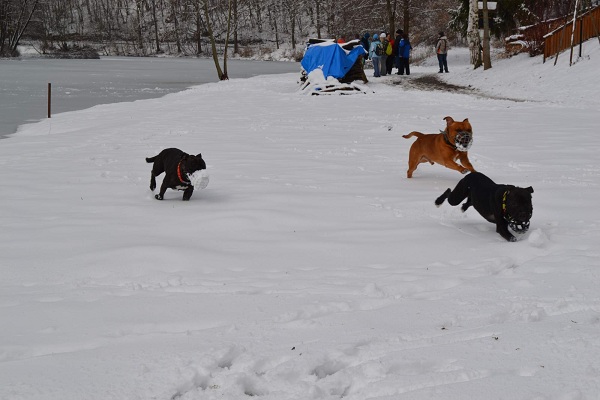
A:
[(310, 267)]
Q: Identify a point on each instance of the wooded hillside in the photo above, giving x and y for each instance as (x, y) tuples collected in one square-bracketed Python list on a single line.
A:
[(143, 27)]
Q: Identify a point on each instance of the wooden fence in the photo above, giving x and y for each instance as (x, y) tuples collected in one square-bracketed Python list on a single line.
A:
[(586, 26)]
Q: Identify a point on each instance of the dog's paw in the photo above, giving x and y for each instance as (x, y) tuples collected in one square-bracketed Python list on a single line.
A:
[(158, 197)]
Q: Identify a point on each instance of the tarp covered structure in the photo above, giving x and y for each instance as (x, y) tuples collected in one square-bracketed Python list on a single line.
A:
[(331, 58)]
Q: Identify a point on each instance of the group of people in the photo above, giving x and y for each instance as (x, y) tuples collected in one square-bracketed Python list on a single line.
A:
[(387, 52)]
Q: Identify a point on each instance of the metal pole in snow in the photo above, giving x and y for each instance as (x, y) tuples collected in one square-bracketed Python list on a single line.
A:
[(49, 98)]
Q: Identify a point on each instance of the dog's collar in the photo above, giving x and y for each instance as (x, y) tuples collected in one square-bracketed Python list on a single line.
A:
[(445, 134), (180, 175), (504, 196)]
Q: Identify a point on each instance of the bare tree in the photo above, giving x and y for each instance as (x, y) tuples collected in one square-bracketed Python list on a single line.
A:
[(406, 16), (487, 60), (209, 27), (15, 17), (236, 48), (390, 8), (473, 34)]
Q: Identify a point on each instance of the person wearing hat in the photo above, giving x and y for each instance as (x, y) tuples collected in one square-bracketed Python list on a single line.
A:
[(383, 59), (441, 48), (399, 36), (374, 56), (404, 48)]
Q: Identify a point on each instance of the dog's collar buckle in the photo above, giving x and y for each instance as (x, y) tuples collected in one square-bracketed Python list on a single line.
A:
[(179, 174)]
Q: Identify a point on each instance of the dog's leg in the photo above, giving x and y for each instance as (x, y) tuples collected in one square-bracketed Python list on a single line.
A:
[(460, 192), (161, 194), (157, 169), (502, 229), (187, 193), (464, 160), (413, 163), (457, 167), (444, 196), (466, 204), (152, 181)]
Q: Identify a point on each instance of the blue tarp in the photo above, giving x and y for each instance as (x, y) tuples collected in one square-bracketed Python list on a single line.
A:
[(331, 58)]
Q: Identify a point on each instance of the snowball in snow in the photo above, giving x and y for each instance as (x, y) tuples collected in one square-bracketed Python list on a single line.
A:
[(199, 179), (538, 238)]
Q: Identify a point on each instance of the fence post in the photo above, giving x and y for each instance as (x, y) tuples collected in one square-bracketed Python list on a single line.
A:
[(581, 34), (49, 99), (596, 32)]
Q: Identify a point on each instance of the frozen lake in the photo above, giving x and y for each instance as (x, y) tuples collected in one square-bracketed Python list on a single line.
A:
[(79, 84)]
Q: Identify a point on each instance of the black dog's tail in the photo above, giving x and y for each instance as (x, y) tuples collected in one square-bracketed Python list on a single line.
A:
[(150, 159)]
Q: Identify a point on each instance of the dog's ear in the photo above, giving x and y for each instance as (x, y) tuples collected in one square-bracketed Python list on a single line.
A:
[(199, 155), (466, 120), (529, 189), (449, 120)]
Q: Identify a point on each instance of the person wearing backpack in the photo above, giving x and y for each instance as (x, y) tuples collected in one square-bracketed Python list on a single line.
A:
[(375, 51), (383, 59), (441, 48), (404, 49)]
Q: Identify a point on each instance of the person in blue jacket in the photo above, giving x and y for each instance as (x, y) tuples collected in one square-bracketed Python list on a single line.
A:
[(404, 49), (374, 56), (399, 36)]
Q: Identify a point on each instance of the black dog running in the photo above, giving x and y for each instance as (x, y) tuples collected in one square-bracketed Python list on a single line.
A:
[(176, 165), (504, 205)]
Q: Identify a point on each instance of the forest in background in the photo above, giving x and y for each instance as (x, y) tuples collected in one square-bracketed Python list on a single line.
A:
[(148, 27)]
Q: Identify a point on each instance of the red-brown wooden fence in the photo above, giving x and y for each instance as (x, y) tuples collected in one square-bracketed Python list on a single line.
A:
[(586, 26)]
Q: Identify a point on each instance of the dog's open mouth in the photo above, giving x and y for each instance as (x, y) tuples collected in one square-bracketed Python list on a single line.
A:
[(463, 141)]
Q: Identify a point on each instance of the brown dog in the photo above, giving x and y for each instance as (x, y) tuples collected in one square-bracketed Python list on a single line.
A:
[(443, 148)]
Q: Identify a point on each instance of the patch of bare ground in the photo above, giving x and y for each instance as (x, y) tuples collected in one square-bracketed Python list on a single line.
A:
[(432, 82)]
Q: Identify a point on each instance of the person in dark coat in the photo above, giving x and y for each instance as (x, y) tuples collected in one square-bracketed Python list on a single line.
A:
[(391, 58), (399, 35), (366, 44), (404, 49)]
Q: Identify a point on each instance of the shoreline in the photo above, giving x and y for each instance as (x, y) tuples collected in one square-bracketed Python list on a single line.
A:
[(78, 84)]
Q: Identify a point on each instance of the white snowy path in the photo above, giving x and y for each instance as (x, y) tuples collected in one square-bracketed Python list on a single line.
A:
[(310, 268)]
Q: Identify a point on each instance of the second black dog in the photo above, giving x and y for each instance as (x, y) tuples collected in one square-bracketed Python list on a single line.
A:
[(176, 165), (504, 205)]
